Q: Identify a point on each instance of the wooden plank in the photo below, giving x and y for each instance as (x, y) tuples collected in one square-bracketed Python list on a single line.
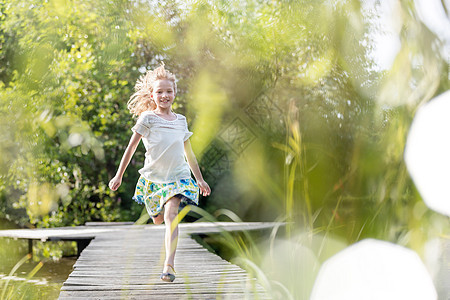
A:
[(199, 261), (142, 272), (166, 297), (199, 277), (147, 267), (164, 290), (127, 264), (124, 261), (164, 286), (152, 295), (198, 257), (94, 231), (107, 223)]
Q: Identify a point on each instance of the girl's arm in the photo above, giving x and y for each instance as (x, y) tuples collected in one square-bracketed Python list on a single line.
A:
[(193, 164), (131, 148)]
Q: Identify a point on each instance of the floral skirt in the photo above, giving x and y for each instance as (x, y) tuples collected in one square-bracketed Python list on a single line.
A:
[(155, 195)]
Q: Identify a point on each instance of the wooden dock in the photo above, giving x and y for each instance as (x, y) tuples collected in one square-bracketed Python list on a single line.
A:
[(125, 262)]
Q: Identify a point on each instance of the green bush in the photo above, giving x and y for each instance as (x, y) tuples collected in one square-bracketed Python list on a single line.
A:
[(291, 117)]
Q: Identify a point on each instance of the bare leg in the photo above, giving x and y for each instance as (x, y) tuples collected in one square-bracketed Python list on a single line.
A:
[(159, 219), (171, 238)]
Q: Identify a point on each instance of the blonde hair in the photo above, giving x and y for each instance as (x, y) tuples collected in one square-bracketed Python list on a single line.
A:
[(141, 100)]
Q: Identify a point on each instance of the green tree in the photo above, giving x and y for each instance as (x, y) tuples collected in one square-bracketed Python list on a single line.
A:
[(293, 80)]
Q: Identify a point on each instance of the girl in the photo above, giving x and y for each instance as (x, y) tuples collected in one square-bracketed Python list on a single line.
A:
[(165, 178)]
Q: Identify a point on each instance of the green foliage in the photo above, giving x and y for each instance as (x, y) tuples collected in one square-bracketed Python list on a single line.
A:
[(60, 113), (292, 119), (322, 129), (10, 291)]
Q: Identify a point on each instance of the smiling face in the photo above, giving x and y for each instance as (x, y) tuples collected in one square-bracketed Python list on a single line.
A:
[(163, 94)]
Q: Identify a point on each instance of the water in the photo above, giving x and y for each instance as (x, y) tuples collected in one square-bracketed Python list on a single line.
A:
[(47, 282)]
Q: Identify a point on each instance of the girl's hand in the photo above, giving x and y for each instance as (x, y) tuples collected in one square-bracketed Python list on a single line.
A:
[(205, 190), (115, 182)]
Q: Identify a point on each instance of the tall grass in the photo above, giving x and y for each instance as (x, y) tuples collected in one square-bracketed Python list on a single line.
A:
[(372, 198), (15, 291)]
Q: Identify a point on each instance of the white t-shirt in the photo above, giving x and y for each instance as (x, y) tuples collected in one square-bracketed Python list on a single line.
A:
[(164, 144)]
